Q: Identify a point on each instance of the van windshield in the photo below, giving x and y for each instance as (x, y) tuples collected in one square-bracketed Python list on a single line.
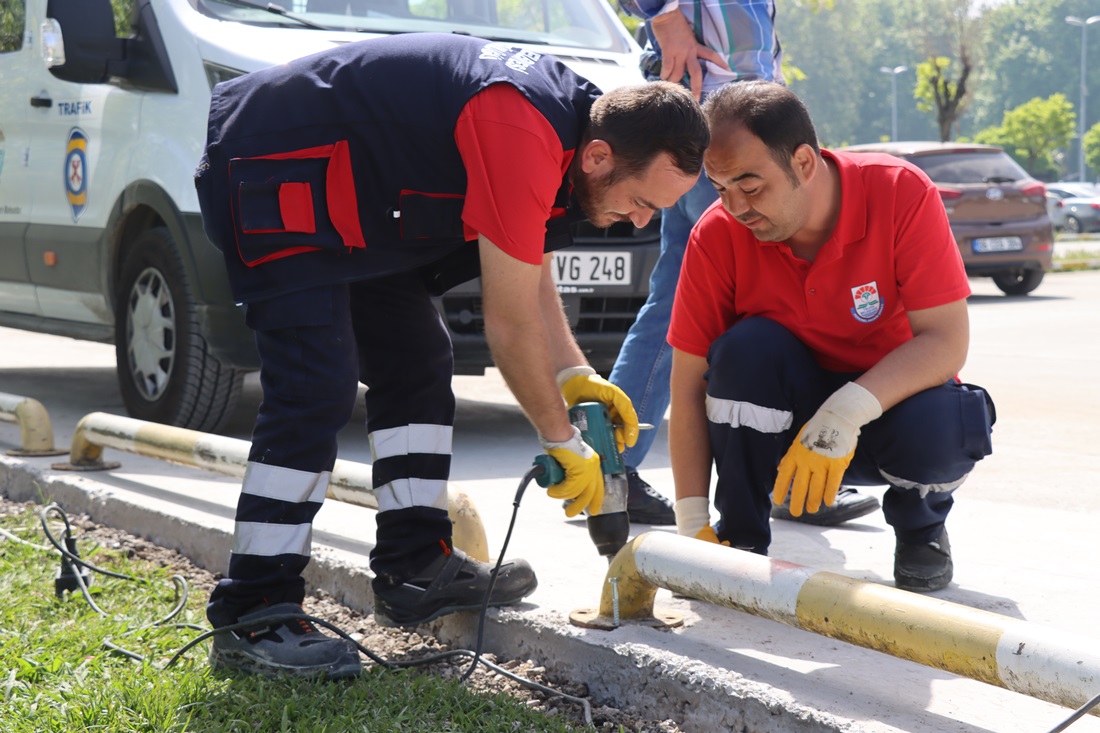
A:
[(569, 23)]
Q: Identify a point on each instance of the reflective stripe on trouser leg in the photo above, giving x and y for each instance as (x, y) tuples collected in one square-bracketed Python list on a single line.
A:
[(309, 381), (405, 360), (762, 386), (924, 447)]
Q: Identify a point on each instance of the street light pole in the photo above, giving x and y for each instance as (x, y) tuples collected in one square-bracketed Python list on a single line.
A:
[(893, 72), (1084, 25)]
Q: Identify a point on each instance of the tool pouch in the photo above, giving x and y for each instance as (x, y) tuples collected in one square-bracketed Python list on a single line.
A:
[(294, 202)]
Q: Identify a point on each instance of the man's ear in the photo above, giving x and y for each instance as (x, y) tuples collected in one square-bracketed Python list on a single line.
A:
[(596, 157), (804, 162)]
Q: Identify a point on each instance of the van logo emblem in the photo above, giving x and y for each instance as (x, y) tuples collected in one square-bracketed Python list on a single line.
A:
[(76, 172), (994, 194)]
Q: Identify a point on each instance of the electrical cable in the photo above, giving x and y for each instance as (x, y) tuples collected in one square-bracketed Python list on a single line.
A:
[(182, 594), (1077, 715)]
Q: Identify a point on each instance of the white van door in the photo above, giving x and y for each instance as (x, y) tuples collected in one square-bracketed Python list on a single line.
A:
[(16, 291), (81, 137)]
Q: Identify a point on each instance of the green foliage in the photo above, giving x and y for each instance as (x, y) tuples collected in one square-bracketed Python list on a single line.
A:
[(59, 676), (1033, 131), (11, 25), (930, 76), (1019, 50), (1092, 149), (122, 10)]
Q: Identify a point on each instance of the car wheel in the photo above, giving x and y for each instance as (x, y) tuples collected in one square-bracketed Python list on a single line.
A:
[(165, 371), (1072, 225), (1018, 282)]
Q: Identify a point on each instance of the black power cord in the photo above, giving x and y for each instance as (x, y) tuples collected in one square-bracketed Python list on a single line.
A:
[(70, 575)]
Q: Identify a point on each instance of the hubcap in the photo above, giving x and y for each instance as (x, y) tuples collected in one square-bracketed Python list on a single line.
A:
[(151, 334)]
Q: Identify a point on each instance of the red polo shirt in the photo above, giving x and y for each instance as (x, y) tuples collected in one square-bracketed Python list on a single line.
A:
[(514, 167), (892, 252)]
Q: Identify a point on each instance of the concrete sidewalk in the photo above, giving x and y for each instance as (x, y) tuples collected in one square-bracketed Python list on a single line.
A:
[(1023, 534)]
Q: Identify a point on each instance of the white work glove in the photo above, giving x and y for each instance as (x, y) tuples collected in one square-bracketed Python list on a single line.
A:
[(693, 519), (582, 384), (817, 459), (583, 482)]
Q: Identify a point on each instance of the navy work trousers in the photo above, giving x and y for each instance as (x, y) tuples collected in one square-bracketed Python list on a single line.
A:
[(763, 385), (315, 347)]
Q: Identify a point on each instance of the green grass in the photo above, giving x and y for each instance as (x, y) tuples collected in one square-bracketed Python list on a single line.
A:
[(56, 674)]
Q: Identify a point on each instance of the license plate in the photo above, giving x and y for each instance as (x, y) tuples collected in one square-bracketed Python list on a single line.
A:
[(592, 268), (998, 244)]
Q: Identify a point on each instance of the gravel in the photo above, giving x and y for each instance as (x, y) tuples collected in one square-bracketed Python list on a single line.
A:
[(387, 643)]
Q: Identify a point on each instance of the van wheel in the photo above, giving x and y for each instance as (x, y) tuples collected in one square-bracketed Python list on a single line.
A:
[(165, 372), (1018, 282)]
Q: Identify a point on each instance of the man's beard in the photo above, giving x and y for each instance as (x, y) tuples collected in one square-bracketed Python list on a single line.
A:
[(590, 194)]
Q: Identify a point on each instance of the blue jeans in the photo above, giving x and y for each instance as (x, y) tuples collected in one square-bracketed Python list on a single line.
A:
[(644, 365)]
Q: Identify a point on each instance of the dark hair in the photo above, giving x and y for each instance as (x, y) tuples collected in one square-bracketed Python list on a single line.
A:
[(642, 121), (770, 111)]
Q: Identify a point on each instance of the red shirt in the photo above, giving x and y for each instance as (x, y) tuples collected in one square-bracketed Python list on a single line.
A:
[(891, 252), (514, 167)]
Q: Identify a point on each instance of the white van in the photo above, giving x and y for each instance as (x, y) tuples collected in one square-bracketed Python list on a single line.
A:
[(100, 133)]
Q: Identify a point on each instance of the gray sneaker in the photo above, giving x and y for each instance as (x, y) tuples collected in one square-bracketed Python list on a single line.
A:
[(292, 646)]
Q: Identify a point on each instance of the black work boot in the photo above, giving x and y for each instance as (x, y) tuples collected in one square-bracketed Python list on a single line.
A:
[(923, 567), (644, 504), (289, 646), (452, 582), (849, 504)]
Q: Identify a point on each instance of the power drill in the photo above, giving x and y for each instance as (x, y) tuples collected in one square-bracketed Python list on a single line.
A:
[(610, 529)]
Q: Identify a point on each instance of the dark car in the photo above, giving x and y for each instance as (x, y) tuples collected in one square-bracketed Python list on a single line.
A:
[(603, 281), (998, 212)]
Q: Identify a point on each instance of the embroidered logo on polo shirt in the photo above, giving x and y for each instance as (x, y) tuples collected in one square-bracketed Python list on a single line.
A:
[(867, 302)]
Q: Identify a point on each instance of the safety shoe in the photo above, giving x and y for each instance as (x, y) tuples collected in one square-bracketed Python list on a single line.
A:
[(849, 504), (644, 504), (292, 647), (923, 567), (453, 582)]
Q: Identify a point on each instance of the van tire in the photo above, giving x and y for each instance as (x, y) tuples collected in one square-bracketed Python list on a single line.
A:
[(166, 373), (1018, 282)]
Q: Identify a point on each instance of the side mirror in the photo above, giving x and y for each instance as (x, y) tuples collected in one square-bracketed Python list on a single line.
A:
[(79, 42)]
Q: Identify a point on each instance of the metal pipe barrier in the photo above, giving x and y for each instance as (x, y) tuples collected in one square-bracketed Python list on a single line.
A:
[(34, 425), (1037, 661), (350, 482)]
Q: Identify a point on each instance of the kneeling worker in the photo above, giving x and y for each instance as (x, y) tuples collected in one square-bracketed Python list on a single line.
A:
[(819, 324)]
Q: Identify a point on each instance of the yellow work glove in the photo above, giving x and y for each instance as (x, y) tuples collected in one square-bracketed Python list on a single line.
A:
[(582, 384), (583, 482), (817, 459), (706, 534), (693, 519)]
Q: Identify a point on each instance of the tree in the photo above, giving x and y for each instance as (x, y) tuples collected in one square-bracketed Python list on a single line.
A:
[(1033, 131), (936, 92), (1091, 142)]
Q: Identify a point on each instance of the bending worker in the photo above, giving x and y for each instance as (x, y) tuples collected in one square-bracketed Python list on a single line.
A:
[(345, 189), (819, 324)]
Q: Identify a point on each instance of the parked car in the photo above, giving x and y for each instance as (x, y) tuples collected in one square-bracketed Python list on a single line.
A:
[(100, 232), (1078, 207), (998, 213)]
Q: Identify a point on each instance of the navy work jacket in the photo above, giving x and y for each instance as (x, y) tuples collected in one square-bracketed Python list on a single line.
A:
[(343, 166)]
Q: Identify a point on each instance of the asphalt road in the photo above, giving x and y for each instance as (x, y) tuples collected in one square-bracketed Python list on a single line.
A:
[(1023, 529)]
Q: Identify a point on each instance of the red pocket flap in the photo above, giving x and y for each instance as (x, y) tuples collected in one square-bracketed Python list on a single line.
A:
[(296, 207)]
